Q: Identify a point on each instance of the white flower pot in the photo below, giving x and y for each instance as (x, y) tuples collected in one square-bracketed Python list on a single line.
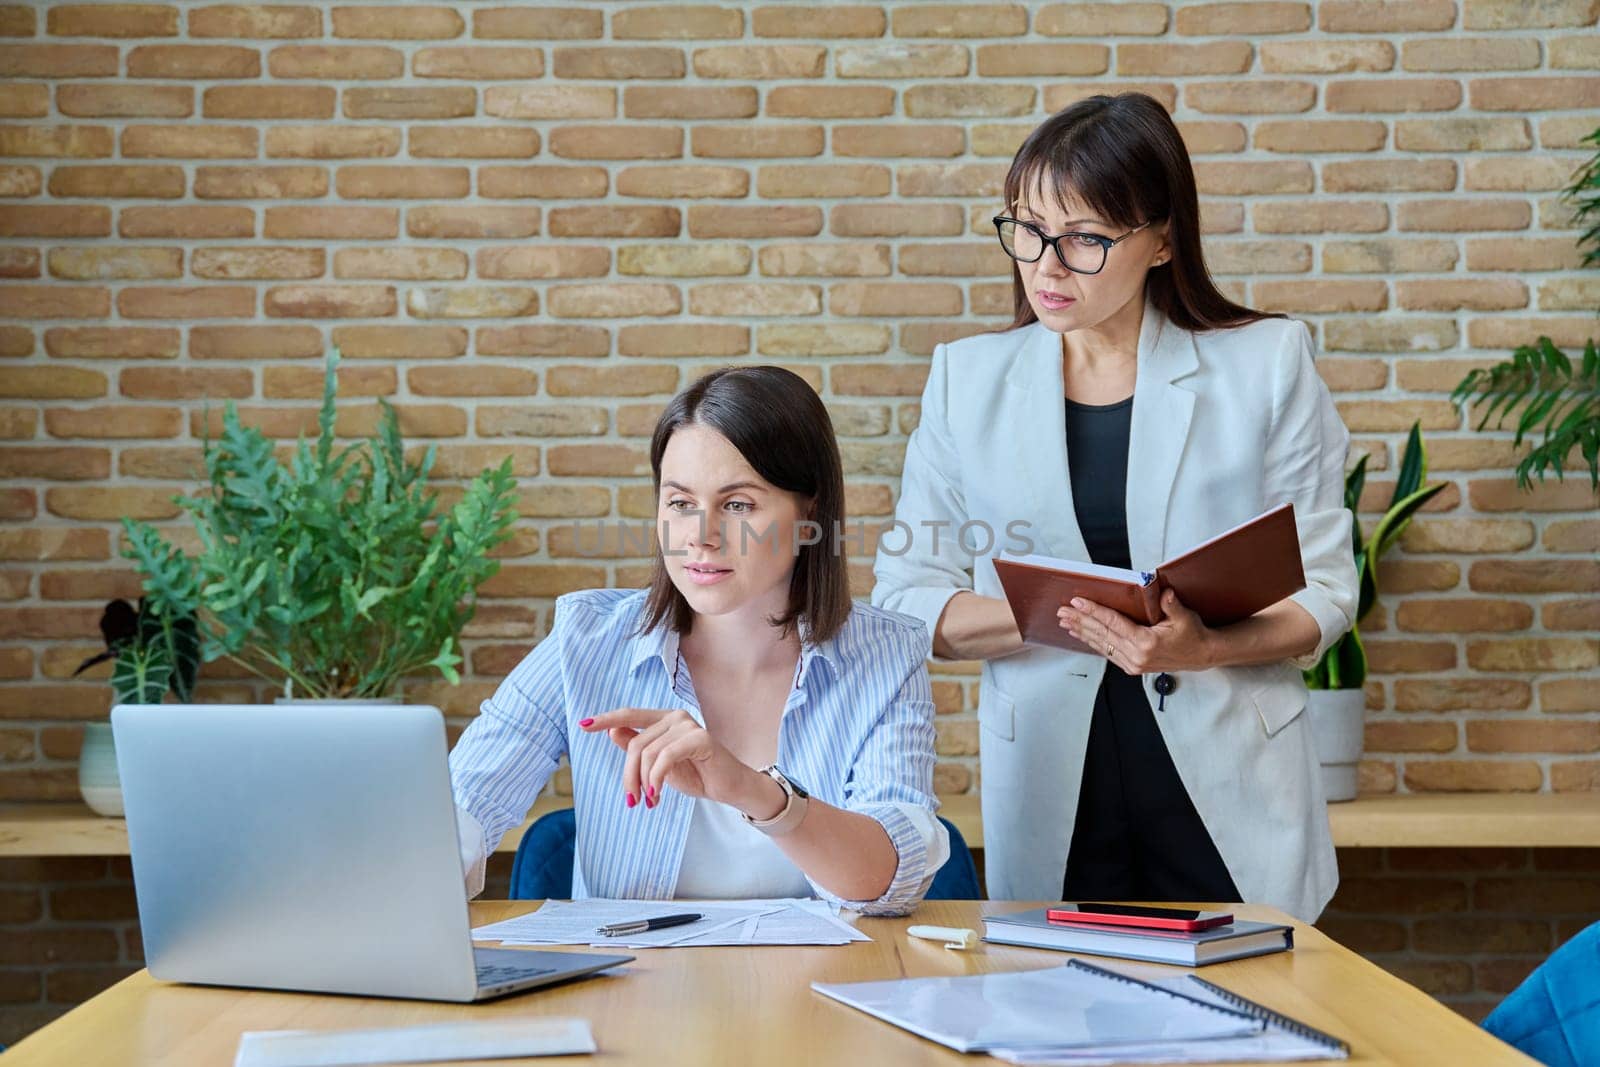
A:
[(98, 780), (1338, 717)]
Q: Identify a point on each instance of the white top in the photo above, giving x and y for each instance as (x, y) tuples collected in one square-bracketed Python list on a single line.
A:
[(727, 858)]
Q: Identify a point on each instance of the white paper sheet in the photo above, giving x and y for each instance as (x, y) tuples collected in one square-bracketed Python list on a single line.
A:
[(443, 1043), (726, 922)]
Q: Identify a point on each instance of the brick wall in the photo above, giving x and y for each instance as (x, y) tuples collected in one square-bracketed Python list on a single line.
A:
[(528, 225)]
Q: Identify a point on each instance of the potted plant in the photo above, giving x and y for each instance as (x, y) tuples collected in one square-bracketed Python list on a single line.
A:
[(1541, 380), (155, 653), (1337, 701), (333, 574)]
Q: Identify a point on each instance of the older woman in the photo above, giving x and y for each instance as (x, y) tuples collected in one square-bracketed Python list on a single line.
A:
[(1131, 412)]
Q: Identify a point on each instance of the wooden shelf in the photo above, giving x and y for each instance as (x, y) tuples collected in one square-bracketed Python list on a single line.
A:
[(1454, 820)]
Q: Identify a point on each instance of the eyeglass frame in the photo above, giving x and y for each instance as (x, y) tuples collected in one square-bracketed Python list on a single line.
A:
[(1105, 243)]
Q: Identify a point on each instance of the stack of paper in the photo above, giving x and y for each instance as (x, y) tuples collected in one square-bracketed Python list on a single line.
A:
[(479, 1040), (726, 922)]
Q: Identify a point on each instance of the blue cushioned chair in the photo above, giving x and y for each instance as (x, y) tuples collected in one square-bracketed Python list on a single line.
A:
[(1554, 1015), (542, 869)]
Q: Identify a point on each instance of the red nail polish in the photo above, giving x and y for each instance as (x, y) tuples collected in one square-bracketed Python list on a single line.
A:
[(650, 794), (632, 800), (585, 723)]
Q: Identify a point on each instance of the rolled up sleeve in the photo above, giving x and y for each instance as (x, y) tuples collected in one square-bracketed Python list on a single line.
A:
[(891, 781), (1305, 463), (507, 754), (920, 580)]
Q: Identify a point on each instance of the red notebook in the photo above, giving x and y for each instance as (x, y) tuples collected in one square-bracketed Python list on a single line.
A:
[(1230, 577)]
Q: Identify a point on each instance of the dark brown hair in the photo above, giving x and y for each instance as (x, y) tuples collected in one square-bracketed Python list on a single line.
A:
[(781, 428), (1123, 157)]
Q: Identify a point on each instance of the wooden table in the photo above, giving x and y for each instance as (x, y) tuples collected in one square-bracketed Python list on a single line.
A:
[(754, 1007), (1443, 820)]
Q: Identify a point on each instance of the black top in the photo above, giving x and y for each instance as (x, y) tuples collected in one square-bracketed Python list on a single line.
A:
[(1097, 456)]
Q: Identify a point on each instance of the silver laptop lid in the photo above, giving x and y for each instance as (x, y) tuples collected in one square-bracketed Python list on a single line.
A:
[(307, 847)]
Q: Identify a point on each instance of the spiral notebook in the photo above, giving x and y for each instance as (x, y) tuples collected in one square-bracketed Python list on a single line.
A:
[(1281, 1040), (1076, 1008)]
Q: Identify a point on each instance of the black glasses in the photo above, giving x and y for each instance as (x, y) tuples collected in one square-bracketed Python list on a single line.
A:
[(1081, 253)]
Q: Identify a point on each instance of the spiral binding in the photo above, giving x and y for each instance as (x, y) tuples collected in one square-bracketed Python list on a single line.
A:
[(1101, 972), (1261, 1011)]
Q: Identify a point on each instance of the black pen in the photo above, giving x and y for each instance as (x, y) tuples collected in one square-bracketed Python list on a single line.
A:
[(640, 926)]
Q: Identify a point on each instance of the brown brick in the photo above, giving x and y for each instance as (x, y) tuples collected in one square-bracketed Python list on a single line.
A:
[(695, 339), (125, 101), (904, 61), (1461, 694), (1385, 16), (1373, 176), (678, 22), (960, 20), (561, 261), (1582, 614), (830, 101), (756, 298), (324, 142), (1453, 776), (254, 342), (185, 383), (344, 62), (411, 264), (305, 383), (547, 182), (1577, 535), (1534, 737), (487, 381), (269, 101), (760, 61), (1410, 737), (968, 101), (775, 220), (1535, 576), (56, 141), (1320, 216), (479, 302), (896, 220), (1247, 98), (1464, 615), (444, 142), (57, 464), (676, 261), (193, 61), (54, 220), (268, 22), (96, 264), (614, 63), (174, 302), (1512, 15), (420, 23), (600, 460), (1575, 776), (190, 142), (328, 301), (1321, 296), (683, 181), (461, 221), (566, 341), (1391, 657), (187, 221), (256, 263), (1534, 654), (1555, 494), (830, 21), (619, 300), (1404, 896), (689, 102), (1462, 215), (1537, 896), (479, 63), (58, 61), (615, 142), (346, 222), (620, 221), (741, 142), (538, 23), (400, 343), (66, 945)]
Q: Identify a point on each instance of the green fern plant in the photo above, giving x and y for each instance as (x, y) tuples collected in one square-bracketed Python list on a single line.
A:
[(332, 574), (1344, 664), (1550, 394)]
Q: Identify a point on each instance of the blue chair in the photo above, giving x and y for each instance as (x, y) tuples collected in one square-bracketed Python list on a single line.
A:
[(542, 869), (1554, 1015)]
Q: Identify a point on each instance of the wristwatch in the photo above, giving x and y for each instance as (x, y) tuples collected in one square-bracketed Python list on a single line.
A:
[(793, 811)]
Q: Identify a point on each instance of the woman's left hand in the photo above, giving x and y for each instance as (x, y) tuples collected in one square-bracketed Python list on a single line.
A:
[(671, 748), (1179, 642)]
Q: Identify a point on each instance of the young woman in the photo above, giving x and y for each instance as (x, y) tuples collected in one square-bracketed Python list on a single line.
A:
[(1131, 412), (740, 728)]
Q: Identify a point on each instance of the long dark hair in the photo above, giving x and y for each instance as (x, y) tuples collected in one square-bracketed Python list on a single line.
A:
[(781, 428), (1123, 157)]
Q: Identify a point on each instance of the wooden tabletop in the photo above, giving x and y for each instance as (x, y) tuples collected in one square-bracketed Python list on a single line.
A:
[(1447, 820), (754, 1006)]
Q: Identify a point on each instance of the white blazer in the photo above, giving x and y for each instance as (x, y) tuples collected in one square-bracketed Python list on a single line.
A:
[(1225, 425)]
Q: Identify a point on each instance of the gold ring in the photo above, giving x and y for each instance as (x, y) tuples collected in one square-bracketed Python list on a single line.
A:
[(1109, 650)]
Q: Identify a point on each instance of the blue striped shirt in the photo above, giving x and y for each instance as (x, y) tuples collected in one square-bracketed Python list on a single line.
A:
[(857, 732)]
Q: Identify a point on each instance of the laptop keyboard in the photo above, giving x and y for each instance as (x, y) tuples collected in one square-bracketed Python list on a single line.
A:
[(490, 974)]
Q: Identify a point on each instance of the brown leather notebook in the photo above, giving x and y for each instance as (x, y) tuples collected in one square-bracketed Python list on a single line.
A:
[(1228, 578)]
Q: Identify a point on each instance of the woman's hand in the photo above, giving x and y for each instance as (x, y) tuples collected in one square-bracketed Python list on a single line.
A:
[(1179, 642), (669, 748)]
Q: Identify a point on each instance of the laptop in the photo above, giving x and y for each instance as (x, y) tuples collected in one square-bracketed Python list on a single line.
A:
[(311, 848)]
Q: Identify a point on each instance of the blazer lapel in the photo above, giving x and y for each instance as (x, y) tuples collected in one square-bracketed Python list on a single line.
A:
[(1162, 410), (1041, 441)]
